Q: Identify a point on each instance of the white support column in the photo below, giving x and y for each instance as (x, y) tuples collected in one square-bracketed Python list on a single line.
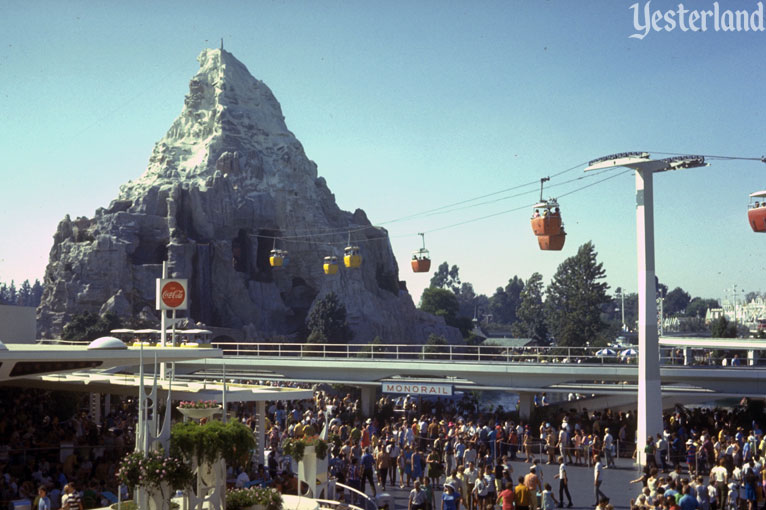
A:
[(526, 400), (649, 392), (260, 431)]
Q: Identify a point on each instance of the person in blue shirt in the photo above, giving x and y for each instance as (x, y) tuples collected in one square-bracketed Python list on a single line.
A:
[(459, 451), (368, 465), (688, 502), (43, 501), (416, 467), (450, 498), (491, 437)]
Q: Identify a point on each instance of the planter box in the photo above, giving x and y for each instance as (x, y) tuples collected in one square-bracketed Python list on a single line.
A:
[(198, 414)]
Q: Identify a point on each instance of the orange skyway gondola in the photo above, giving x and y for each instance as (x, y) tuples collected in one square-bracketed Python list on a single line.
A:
[(421, 259), (546, 223), (756, 213)]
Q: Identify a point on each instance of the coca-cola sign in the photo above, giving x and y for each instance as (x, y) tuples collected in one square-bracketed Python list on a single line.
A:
[(171, 294)]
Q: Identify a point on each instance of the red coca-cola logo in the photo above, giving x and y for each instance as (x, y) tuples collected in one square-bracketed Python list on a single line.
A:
[(173, 294)]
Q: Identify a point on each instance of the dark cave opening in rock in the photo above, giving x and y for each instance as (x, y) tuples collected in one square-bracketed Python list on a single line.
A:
[(240, 252), (150, 252)]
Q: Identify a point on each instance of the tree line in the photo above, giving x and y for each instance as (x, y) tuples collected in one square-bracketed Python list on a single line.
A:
[(574, 309), (25, 295)]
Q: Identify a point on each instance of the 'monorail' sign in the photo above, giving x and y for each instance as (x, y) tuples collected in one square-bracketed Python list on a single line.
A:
[(439, 390), (171, 294)]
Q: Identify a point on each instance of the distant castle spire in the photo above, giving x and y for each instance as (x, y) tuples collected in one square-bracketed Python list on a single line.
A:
[(221, 43)]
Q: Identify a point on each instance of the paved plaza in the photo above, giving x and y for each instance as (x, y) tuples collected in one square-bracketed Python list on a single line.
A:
[(616, 484)]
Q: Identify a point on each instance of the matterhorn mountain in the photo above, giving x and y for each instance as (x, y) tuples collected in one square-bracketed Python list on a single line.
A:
[(227, 184)]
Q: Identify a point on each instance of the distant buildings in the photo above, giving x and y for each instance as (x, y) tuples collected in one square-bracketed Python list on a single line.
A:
[(748, 314)]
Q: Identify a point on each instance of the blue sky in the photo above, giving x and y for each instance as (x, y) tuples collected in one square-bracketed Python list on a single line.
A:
[(405, 107)]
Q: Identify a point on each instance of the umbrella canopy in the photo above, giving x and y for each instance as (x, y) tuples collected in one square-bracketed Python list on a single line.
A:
[(606, 351), (628, 352)]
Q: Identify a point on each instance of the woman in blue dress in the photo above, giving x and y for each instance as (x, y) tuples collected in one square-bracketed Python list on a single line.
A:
[(408, 464), (449, 498), (417, 466)]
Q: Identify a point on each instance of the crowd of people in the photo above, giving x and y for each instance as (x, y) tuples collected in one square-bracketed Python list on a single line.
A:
[(707, 460), (452, 448), (449, 454), (39, 449)]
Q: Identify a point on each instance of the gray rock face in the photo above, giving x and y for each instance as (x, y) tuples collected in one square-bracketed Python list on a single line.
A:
[(227, 184)]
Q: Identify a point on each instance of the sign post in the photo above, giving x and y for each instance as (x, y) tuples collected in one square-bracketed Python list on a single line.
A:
[(171, 295)]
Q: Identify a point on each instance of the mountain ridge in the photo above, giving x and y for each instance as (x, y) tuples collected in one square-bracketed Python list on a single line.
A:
[(227, 183)]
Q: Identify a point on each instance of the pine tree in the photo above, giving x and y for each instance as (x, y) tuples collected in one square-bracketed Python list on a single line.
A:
[(530, 314), (25, 294), (327, 322), (37, 293), (575, 297), (12, 294)]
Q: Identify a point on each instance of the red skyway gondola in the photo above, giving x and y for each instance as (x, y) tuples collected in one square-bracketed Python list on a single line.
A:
[(756, 213), (546, 223)]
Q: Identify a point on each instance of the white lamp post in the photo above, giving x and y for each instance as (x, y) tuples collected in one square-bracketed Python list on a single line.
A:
[(649, 394)]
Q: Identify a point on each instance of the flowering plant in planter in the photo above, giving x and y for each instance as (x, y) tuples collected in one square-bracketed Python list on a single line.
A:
[(295, 448), (152, 469), (214, 440), (239, 499), (199, 404)]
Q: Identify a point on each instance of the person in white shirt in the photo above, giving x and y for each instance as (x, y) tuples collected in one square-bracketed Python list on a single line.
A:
[(242, 479), (469, 457), (563, 483), (609, 448), (470, 474), (720, 476), (479, 492), (597, 481)]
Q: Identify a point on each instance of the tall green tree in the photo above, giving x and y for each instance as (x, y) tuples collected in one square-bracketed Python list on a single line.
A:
[(471, 303), (447, 277), (327, 323), (530, 314), (676, 301), (722, 328), (698, 307), (37, 293), (575, 298), (444, 303), (25, 294), (505, 301)]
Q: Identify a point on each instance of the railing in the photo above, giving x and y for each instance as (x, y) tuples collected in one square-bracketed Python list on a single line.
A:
[(471, 354), (368, 503), (481, 353)]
